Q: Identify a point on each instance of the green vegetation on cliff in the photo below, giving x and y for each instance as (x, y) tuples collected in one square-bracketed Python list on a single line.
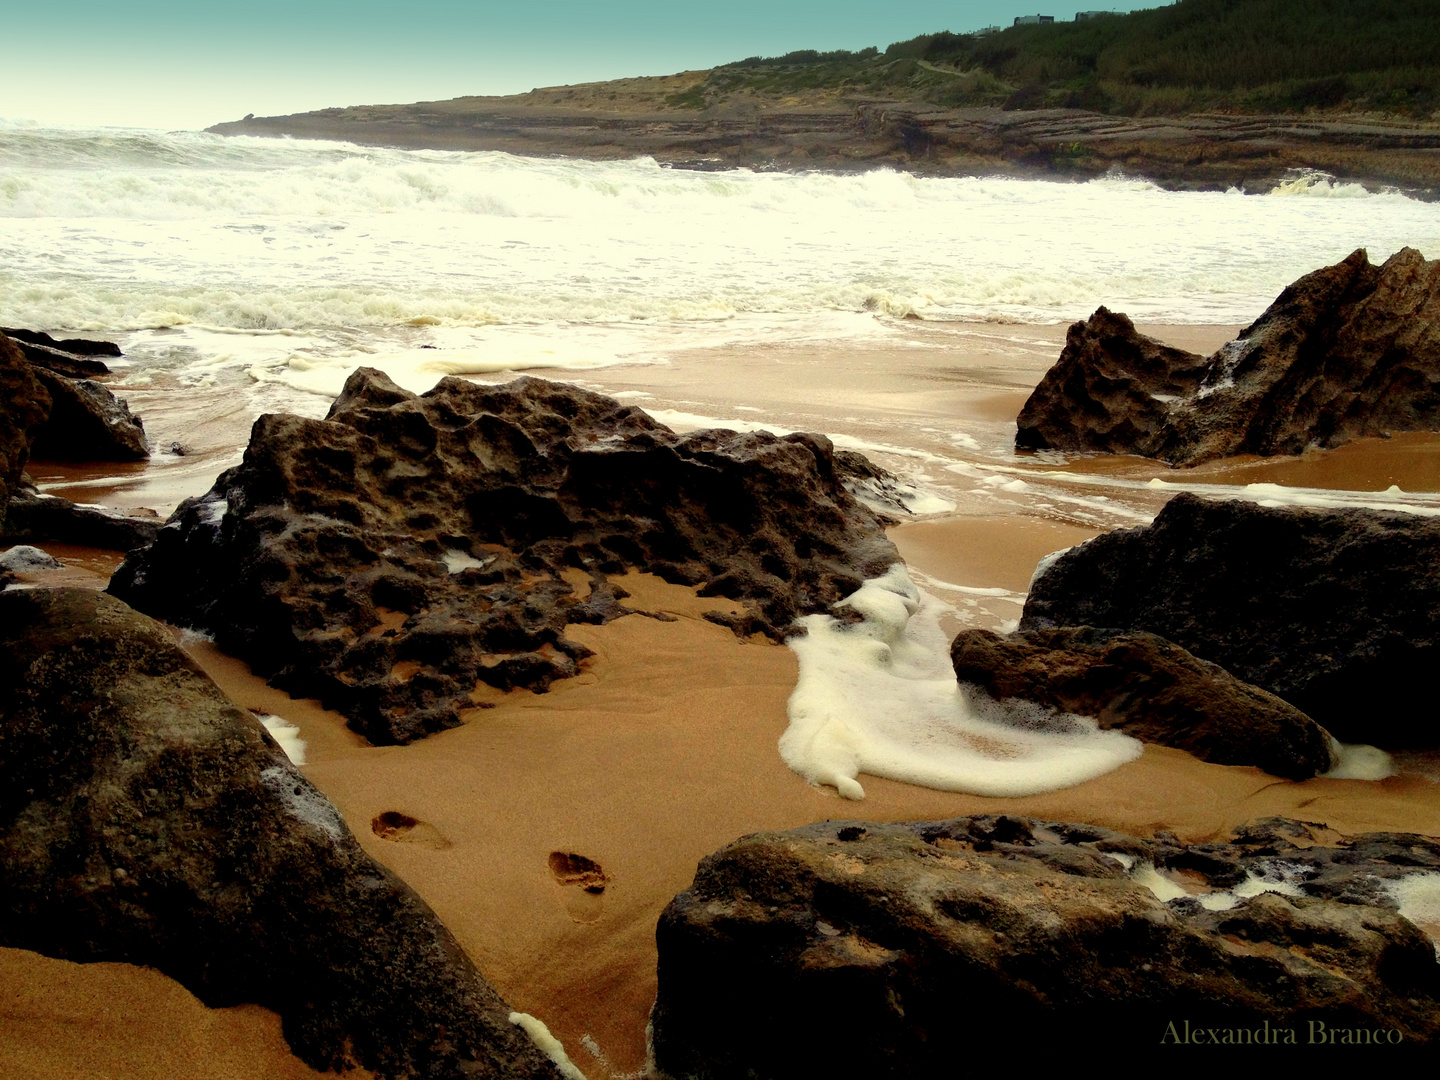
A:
[(1257, 56)]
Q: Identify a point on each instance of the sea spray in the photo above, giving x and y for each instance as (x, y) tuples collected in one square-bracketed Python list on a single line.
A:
[(879, 696)]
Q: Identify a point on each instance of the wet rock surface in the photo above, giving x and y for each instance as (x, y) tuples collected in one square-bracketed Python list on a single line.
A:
[(72, 357), (146, 819), (24, 405), (917, 936), (1336, 611), (406, 553), (1149, 688), (32, 516), (1350, 350), (86, 423)]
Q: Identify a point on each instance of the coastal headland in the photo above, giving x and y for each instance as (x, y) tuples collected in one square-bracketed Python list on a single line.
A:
[(1196, 95), (826, 129)]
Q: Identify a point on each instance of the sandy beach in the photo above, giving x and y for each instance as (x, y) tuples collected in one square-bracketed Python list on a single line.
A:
[(664, 748)]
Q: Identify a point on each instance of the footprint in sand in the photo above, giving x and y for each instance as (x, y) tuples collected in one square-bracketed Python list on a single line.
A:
[(401, 828), (582, 883)]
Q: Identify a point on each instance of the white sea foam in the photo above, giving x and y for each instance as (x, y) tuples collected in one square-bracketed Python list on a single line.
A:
[(155, 229), (286, 734), (1356, 761), (880, 697), (548, 1044)]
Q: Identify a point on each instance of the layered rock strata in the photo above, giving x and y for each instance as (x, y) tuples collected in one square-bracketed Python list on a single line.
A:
[(405, 553), (1149, 688), (1336, 611), (1350, 350), (916, 937), (146, 819)]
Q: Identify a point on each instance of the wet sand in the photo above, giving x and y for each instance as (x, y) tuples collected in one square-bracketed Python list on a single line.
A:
[(664, 749), (60, 1021)]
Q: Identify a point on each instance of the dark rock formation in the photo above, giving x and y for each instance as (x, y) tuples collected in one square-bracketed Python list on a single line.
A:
[(1149, 688), (86, 423), (58, 356), (1110, 390), (395, 556), (850, 949), (33, 517), (1350, 350), (146, 819), (73, 346), (24, 405), (1336, 611)]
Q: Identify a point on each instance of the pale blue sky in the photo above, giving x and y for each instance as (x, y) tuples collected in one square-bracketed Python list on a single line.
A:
[(173, 64)]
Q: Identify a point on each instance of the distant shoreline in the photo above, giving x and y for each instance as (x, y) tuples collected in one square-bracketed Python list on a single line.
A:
[(822, 132)]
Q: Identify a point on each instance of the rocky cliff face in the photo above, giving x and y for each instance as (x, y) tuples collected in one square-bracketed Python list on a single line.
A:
[(1336, 611), (1149, 688), (1350, 350), (397, 556), (855, 949), (144, 818)]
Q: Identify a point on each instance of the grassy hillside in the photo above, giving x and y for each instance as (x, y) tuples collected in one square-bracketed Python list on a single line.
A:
[(1256, 56)]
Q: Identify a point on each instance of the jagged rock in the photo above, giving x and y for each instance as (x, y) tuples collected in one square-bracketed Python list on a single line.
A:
[(1350, 350), (24, 405), (146, 819), (71, 365), (1112, 390), (397, 555), (32, 516), (86, 423), (1336, 611), (73, 346), (855, 949), (1149, 688)]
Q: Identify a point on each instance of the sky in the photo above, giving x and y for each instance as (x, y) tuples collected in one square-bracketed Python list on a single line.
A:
[(179, 64)]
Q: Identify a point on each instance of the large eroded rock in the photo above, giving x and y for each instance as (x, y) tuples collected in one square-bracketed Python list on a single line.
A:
[(1149, 688), (1336, 611), (24, 405), (401, 554), (854, 949), (1347, 351), (86, 423), (144, 818)]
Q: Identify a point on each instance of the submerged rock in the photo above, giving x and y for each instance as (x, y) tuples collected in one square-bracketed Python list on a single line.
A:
[(86, 423), (146, 819), (24, 405), (1336, 611), (1350, 350), (855, 949), (402, 554), (1149, 688)]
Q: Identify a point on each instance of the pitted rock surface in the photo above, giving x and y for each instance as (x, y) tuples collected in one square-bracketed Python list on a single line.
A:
[(917, 936), (145, 819), (1350, 350), (1149, 688), (396, 556), (1336, 611)]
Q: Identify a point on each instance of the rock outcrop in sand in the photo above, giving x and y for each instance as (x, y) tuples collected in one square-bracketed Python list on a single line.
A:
[(34, 517), (1350, 350), (82, 420), (406, 553), (854, 949), (145, 818), (1336, 611), (1149, 688)]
